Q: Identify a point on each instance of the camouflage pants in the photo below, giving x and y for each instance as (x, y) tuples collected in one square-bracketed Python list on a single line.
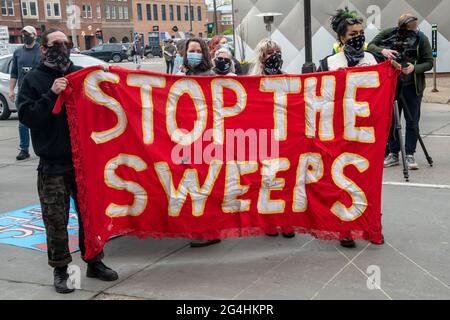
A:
[(54, 194)]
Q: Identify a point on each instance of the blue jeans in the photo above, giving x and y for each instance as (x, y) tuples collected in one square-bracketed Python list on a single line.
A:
[(24, 134), (413, 103)]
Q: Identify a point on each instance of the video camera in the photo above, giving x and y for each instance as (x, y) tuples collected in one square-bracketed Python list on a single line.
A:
[(405, 42)]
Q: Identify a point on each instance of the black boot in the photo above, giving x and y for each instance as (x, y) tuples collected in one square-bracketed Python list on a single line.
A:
[(60, 281), (100, 271), (200, 243), (276, 234), (289, 234), (347, 243)]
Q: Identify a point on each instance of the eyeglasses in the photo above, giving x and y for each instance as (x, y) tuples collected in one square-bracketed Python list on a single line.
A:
[(222, 59)]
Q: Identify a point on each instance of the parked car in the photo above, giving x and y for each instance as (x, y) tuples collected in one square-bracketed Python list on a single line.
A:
[(108, 51), (153, 51), (6, 105)]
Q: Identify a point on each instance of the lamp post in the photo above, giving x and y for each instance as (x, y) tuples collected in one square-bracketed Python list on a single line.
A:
[(308, 66), (21, 13)]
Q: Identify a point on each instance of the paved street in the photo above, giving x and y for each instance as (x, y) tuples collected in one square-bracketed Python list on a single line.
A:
[(413, 263)]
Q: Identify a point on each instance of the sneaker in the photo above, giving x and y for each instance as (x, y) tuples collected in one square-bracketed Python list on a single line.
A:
[(391, 160), (199, 243), (22, 155), (348, 243), (411, 162), (100, 271), (61, 280)]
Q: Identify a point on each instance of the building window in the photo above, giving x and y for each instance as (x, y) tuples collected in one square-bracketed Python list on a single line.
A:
[(89, 11), (149, 12), (186, 13), (29, 8), (108, 12), (99, 11), (171, 13), (139, 12), (125, 12), (113, 13), (163, 12), (120, 13), (7, 7), (192, 13), (155, 12), (199, 13), (179, 13), (52, 9)]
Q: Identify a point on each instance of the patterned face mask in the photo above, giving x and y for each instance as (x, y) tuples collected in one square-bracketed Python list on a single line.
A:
[(354, 50), (223, 65), (357, 42), (273, 64), (57, 57)]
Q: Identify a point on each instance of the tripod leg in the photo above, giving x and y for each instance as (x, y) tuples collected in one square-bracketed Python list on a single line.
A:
[(398, 129), (408, 116)]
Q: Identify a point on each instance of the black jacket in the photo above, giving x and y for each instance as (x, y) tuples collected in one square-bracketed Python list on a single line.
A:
[(49, 132)]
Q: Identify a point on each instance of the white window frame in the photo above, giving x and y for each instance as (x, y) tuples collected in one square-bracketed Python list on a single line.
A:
[(52, 9), (99, 11), (89, 11), (113, 12), (120, 12), (125, 13), (28, 8), (108, 12), (9, 4)]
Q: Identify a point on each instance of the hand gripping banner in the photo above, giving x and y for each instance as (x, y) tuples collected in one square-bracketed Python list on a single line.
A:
[(216, 157)]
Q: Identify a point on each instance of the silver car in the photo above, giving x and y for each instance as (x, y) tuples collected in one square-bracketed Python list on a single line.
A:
[(6, 105)]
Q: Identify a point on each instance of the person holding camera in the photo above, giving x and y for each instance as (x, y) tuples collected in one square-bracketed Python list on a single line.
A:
[(410, 48)]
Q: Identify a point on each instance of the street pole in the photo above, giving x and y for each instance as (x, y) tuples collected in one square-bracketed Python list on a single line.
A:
[(234, 25), (309, 65), (21, 13), (190, 16), (215, 17)]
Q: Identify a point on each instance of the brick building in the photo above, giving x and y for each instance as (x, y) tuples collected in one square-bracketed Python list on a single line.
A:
[(113, 18), (157, 19)]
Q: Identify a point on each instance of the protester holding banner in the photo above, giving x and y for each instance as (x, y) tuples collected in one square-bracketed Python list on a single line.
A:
[(51, 141), (411, 83), (223, 63), (197, 62), (269, 62), (350, 34)]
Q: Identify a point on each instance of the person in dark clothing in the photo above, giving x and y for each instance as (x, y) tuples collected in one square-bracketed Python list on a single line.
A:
[(411, 84), (51, 142), (169, 55), (24, 59)]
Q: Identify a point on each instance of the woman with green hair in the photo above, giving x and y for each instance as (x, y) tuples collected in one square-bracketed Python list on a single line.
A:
[(350, 50)]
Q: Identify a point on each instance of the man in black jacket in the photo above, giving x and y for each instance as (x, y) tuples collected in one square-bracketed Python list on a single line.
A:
[(51, 142)]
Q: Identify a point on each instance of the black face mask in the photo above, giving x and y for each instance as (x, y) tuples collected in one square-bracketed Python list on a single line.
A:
[(357, 42), (57, 57), (354, 50), (273, 64), (223, 65), (28, 39)]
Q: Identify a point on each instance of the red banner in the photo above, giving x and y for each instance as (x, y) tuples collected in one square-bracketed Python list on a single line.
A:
[(215, 157)]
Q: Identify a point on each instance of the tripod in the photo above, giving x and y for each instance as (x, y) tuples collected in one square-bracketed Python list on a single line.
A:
[(398, 129)]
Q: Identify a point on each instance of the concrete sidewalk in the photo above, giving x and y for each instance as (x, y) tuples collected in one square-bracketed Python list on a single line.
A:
[(413, 264)]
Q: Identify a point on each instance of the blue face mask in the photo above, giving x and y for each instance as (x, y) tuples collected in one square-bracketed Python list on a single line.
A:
[(194, 59)]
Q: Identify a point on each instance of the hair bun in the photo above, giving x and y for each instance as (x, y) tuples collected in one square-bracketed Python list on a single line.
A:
[(340, 16)]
